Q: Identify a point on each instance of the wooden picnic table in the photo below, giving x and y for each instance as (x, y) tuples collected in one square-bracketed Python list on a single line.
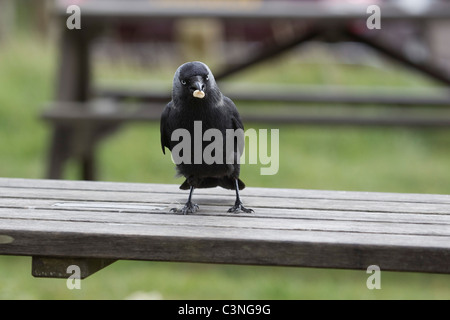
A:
[(78, 127), (92, 224), (96, 12)]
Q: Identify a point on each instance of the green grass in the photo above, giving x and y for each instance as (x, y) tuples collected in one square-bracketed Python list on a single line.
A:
[(26, 69), (126, 279), (364, 159)]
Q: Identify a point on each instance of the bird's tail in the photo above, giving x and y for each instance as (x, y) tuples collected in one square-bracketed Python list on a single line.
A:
[(226, 183)]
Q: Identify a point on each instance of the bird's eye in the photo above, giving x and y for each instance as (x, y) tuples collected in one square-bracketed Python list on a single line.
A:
[(183, 82), (207, 78)]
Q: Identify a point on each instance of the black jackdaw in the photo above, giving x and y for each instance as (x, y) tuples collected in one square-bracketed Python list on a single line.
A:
[(196, 99)]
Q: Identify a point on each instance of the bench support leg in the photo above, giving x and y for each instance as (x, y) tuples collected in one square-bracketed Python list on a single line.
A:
[(87, 163), (73, 84), (59, 152), (50, 267)]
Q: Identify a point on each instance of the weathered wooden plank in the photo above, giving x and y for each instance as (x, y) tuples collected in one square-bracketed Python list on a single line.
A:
[(245, 232), (279, 192), (226, 245), (225, 197), (235, 222), (97, 208)]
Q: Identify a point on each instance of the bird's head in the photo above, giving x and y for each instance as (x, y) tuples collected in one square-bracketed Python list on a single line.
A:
[(193, 80)]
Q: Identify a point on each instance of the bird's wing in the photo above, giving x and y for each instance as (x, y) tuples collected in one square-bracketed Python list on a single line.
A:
[(235, 117), (165, 135)]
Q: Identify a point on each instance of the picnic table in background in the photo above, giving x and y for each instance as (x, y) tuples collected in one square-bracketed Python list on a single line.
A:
[(79, 122)]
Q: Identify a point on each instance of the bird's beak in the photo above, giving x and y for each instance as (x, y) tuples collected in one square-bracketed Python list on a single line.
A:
[(198, 92)]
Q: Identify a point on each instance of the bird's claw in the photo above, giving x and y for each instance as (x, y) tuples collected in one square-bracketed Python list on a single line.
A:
[(188, 208), (239, 207)]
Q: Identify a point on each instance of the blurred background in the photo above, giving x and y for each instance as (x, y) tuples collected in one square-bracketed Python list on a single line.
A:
[(144, 56)]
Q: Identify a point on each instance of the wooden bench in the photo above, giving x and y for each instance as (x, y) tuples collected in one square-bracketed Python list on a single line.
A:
[(92, 224)]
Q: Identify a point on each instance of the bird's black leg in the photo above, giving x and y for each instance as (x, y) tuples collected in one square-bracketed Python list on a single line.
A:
[(238, 205), (189, 207)]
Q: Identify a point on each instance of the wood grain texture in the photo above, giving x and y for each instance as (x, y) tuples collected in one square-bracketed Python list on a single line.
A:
[(306, 228)]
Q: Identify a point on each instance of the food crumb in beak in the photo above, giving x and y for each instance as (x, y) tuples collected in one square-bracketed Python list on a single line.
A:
[(199, 94)]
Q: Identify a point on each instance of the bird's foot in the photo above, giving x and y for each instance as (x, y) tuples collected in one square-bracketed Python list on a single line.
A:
[(239, 207), (188, 208)]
